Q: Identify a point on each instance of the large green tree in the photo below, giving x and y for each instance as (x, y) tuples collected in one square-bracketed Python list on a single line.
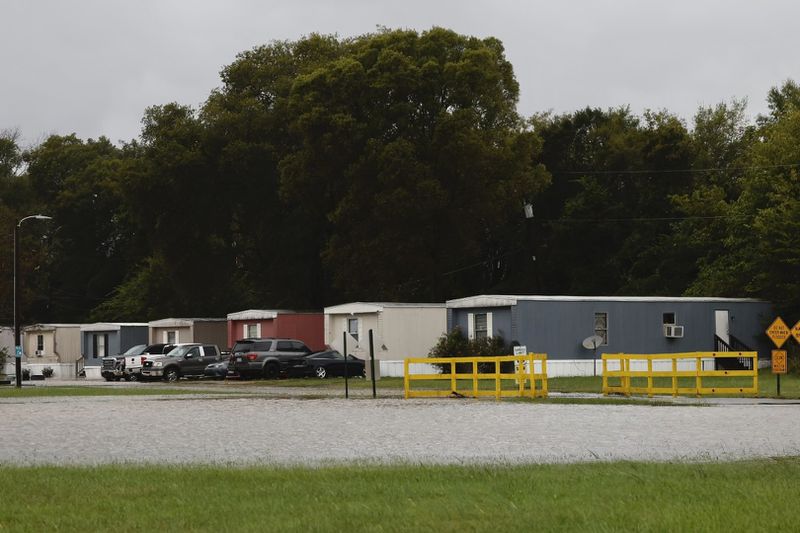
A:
[(758, 254), (88, 250), (605, 222), (379, 164)]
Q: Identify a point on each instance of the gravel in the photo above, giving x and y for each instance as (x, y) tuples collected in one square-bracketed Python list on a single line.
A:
[(200, 429)]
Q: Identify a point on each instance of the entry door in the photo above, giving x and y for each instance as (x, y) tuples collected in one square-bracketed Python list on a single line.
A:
[(721, 325)]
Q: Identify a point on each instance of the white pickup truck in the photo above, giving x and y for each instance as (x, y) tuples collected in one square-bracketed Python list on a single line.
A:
[(133, 365), (128, 366)]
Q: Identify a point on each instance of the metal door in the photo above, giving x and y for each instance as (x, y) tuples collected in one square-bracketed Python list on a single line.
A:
[(722, 325)]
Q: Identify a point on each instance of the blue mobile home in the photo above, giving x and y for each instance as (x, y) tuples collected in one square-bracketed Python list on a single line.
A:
[(110, 338), (557, 325)]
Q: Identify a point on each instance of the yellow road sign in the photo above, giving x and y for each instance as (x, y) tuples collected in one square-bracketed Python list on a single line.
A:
[(796, 331), (778, 361), (778, 332)]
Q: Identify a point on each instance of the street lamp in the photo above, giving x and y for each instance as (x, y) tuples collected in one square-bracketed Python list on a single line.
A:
[(17, 343)]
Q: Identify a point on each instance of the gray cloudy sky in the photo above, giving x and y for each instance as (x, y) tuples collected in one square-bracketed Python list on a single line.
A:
[(92, 66)]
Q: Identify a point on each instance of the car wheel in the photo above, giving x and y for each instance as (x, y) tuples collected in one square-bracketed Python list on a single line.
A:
[(321, 372), (132, 377), (271, 370), (171, 375)]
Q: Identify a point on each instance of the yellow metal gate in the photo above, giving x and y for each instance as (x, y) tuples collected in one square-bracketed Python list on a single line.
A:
[(529, 377), (668, 374)]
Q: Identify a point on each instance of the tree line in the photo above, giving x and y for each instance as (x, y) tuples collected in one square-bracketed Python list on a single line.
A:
[(395, 166)]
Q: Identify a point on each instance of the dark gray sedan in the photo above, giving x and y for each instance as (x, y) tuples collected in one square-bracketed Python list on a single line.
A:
[(328, 364), (216, 370)]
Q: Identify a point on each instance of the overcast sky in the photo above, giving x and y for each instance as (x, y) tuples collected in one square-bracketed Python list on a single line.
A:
[(92, 66)]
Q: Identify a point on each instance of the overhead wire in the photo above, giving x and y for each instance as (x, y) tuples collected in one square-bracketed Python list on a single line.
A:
[(671, 171)]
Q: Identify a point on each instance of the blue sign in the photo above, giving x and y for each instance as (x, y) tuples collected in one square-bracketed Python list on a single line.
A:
[(18, 352)]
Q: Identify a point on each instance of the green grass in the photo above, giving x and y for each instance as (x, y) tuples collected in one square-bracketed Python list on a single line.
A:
[(58, 390), (739, 496), (790, 383)]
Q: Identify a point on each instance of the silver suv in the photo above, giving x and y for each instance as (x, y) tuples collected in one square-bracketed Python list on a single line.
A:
[(268, 358)]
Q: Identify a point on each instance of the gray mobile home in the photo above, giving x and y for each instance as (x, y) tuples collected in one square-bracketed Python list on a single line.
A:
[(557, 325), (110, 338)]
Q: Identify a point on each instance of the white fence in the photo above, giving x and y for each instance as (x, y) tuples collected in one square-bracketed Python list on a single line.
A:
[(555, 367)]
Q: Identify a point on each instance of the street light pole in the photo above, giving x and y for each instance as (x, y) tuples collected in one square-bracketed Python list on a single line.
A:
[(17, 343)]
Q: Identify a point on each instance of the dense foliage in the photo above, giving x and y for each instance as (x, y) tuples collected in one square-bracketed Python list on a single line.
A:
[(454, 344), (394, 166)]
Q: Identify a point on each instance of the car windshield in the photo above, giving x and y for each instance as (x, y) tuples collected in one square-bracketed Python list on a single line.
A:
[(180, 351), (330, 354), (135, 350)]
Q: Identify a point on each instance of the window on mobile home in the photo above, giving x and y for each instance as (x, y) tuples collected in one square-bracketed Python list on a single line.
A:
[(601, 327)]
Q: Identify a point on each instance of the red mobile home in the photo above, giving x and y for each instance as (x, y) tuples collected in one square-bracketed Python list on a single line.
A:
[(260, 323)]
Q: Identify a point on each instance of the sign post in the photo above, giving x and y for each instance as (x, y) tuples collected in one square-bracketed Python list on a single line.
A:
[(778, 332), (778, 366)]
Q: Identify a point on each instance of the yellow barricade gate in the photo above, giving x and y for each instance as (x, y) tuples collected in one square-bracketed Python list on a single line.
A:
[(649, 373), (529, 377)]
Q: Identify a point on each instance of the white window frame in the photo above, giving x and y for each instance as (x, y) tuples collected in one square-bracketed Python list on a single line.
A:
[(471, 325), (357, 321), (674, 318), (40, 343), (598, 331), (101, 350), (246, 331), (177, 336)]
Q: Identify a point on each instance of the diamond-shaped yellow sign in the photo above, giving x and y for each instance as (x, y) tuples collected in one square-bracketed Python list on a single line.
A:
[(796, 331), (778, 332)]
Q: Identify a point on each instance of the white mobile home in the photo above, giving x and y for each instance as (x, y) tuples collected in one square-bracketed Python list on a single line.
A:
[(400, 330)]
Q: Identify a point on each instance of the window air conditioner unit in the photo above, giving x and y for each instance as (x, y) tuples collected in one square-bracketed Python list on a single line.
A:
[(39, 353), (672, 331)]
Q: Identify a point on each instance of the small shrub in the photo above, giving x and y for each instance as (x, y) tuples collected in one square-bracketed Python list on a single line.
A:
[(26, 373), (454, 344), (47, 372)]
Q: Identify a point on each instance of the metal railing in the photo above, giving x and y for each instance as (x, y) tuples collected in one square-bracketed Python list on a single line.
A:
[(730, 362), (529, 377), (646, 374)]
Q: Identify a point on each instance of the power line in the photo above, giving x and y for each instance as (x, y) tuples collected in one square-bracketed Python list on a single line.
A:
[(641, 219), (671, 171)]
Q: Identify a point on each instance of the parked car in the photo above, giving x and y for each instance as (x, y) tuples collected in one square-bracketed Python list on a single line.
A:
[(133, 364), (113, 367), (268, 357), (217, 370), (330, 363), (186, 359)]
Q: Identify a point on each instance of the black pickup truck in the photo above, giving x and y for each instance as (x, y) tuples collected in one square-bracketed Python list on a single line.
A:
[(187, 359)]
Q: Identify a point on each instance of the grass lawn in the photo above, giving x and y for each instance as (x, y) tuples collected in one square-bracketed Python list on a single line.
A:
[(790, 386), (790, 383), (740, 496), (55, 391)]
